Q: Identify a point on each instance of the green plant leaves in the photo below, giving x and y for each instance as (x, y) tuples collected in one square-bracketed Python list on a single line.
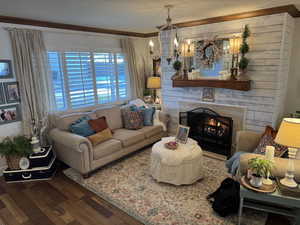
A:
[(16, 146)]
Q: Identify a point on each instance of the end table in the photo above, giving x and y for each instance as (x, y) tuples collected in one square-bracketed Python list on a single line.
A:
[(272, 202)]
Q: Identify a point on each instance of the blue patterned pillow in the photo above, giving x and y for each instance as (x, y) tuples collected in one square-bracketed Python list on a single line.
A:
[(81, 127), (148, 114)]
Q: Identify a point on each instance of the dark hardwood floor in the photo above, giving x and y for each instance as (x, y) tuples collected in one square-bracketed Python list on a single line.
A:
[(61, 201)]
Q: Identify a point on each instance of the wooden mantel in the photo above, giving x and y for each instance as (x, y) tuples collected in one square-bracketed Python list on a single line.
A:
[(241, 85)]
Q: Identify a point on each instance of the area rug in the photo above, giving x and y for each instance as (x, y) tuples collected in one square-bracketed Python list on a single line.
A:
[(128, 185)]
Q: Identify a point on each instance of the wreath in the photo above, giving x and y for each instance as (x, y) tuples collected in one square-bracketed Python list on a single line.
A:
[(209, 52)]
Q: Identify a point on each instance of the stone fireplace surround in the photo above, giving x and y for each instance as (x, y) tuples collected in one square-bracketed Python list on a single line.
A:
[(270, 46)]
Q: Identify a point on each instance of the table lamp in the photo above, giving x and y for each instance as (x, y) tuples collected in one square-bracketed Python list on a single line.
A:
[(289, 135), (153, 83)]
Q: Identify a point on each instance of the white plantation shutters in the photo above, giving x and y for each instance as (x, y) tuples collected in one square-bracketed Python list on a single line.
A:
[(83, 79)]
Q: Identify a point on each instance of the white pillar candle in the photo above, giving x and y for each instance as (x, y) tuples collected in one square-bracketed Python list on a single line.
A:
[(269, 155)]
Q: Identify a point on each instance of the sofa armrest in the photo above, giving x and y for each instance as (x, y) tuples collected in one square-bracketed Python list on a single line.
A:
[(164, 117), (279, 169), (247, 141), (72, 141), (74, 150)]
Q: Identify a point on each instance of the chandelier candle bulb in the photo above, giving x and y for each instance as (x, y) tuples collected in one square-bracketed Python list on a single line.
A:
[(151, 46)]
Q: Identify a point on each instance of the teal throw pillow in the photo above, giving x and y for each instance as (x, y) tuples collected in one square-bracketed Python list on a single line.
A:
[(81, 127), (148, 114)]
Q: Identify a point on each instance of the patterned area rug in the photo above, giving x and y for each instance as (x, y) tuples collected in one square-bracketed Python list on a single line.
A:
[(128, 185)]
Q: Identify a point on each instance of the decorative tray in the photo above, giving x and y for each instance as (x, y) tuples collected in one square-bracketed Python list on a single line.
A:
[(263, 189)]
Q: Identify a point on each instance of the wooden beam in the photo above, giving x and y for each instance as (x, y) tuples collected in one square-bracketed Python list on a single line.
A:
[(40, 23), (290, 9)]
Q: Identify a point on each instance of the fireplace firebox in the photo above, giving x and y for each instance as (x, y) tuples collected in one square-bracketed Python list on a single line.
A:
[(212, 131)]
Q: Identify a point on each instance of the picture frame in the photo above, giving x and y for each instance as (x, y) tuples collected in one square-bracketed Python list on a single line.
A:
[(11, 90), (208, 95), (5, 69), (2, 96), (10, 114), (182, 134)]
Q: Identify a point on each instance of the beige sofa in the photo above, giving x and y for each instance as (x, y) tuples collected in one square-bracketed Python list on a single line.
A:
[(78, 152), (247, 141)]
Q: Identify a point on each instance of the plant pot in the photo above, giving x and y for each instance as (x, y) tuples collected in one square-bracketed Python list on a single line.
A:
[(256, 181), (13, 162)]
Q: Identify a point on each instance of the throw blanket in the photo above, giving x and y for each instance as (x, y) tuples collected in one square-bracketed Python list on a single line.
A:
[(233, 163)]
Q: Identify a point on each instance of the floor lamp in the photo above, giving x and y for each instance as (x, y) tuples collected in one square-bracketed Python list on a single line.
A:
[(289, 135)]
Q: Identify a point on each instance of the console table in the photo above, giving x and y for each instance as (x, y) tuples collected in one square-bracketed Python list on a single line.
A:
[(273, 202)]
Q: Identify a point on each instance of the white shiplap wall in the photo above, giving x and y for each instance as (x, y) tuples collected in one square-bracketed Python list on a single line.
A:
[(270, 43)]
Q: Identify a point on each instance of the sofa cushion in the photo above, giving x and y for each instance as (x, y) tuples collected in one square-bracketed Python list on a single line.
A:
[(106, 148), (148, 114), (81, 127), (100, 137), (113, 116), (267, 139), (98, 124), (128, 137), (63, 122), (150, 131), (133, 120)]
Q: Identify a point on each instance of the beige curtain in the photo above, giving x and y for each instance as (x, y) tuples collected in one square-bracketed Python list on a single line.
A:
[(136, 74), (30, 62)]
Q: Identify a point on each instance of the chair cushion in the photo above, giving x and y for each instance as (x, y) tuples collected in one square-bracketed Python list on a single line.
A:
[(106, 148), (150, 131), (128, 137), (98, 124), (100, 137), (81, 127), (113, 116)]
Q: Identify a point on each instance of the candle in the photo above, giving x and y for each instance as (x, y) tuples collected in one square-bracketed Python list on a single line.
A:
[(269, 155)]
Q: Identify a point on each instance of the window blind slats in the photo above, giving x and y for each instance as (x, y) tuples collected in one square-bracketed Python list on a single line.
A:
[(88, 76)]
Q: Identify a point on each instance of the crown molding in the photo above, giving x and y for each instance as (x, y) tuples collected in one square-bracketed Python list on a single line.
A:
[(290, 9)]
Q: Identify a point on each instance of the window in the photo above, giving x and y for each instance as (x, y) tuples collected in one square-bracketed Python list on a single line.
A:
[(83, 79)]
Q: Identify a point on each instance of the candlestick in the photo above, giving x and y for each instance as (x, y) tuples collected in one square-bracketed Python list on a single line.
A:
[(269, 155)]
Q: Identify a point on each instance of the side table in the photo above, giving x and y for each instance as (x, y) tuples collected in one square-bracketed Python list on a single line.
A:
[(272, 202)]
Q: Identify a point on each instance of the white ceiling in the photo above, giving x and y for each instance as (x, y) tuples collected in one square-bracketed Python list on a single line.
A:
[(129, 15)]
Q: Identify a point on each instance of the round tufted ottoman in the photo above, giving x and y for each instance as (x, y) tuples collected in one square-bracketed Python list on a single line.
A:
[(180, 166)]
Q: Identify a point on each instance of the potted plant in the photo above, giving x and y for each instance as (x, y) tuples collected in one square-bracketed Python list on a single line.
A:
[(244, 49), (260, 168), (13, 149), (177, 66)]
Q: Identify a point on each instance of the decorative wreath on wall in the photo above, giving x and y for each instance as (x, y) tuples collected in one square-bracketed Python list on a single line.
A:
[(208, 52)]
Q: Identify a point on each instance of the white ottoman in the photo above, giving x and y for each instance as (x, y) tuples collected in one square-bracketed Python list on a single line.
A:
[(181, 166)]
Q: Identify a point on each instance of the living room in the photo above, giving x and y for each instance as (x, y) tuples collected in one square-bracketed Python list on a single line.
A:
[(160, 112)]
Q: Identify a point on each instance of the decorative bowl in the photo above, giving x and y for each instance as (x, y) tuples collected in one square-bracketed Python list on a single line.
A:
[(171, 145)]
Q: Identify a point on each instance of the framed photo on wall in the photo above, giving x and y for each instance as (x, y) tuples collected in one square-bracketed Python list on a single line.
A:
[(9, 114), (5, 69), (208, 95), (2, 96), (11, 90), (182, 134)]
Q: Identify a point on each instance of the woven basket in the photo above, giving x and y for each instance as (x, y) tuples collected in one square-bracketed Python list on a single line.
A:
[(13, 162)]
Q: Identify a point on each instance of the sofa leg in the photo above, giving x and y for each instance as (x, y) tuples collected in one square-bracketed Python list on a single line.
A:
[(86, 175)]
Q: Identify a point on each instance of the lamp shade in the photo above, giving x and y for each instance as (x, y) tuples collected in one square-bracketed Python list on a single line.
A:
[(289, 133), (153, 82)]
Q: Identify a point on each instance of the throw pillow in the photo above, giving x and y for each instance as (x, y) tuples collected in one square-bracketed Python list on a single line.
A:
[(100, 137), (99, 124), (148, 114), (81, 127), (268, 139), (133, 120)]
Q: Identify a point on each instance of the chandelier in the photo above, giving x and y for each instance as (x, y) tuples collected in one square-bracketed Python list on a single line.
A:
[(168, 32)]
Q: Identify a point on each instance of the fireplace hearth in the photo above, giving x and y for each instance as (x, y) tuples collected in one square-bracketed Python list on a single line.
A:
[(212, 131)]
